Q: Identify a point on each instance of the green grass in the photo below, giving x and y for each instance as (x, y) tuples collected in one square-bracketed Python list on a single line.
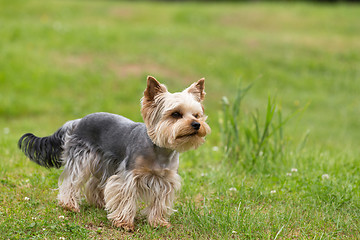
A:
[(60, 60)]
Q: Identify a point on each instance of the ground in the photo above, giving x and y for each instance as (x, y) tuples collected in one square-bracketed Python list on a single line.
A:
[(60, 60)]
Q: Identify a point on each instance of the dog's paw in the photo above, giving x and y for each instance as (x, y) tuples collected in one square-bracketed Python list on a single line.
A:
[(165, 224), (69, 207), (129, 227), (162, 223)]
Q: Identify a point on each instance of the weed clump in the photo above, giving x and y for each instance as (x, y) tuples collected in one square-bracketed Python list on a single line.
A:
[(258, 145)]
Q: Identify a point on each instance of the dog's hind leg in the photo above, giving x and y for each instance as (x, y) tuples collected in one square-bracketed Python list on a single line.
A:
[(69, 194), (94, 192), (71, 183), (76, 157)]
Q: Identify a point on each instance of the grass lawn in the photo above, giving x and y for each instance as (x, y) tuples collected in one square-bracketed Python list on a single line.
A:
[(61, 60)]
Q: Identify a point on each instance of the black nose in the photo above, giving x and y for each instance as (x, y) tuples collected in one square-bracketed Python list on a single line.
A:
[(195, 125)]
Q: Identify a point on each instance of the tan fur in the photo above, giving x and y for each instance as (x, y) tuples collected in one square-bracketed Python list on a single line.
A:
[(120, 196), (197, 89), (153, 88), (165, 131), (155, 187)]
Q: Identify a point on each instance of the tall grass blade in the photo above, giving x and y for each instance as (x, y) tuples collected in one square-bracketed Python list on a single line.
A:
[(257, 145)]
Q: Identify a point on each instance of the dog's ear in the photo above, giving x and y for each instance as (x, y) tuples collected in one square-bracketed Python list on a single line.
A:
[(153, 88), (197, 89)]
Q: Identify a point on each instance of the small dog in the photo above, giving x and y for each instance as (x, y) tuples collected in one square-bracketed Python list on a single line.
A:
[(116, 162)]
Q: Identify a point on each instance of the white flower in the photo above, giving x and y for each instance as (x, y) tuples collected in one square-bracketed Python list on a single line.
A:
[(33, 218), (273, 191), (215, 148), (57, 26), (203, 174), (61, 216), (234, 232), (26, 198), (288, 174), (6, 130), (325, 176), (233, 189), (44, 229), (61, 238), (294, 170), (225, 100)]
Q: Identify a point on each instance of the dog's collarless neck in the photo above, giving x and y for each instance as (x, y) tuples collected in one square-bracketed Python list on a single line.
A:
[(166, 158)]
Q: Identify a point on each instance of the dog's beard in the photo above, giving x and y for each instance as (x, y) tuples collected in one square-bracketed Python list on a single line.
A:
[(179, 136)]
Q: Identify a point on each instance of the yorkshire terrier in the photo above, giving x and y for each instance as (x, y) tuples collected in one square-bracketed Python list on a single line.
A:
[(116, 162)]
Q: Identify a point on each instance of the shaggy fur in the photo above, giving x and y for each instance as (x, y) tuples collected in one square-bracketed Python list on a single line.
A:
[(116, 162)]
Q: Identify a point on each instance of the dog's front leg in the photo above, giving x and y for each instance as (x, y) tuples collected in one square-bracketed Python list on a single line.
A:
[(157, 189), (158, 213), (160, 198), (120, 200)]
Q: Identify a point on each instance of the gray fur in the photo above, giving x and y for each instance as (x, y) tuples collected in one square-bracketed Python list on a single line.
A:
[(121, 139), (102, 145)]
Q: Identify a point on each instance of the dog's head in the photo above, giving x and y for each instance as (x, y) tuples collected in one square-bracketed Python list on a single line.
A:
[(175, 120)]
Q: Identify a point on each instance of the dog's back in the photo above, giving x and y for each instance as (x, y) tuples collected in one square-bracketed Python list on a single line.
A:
[(110, 132), (105, 133)]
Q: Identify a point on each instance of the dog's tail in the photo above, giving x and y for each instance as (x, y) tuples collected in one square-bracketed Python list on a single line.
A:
[(46, 151)]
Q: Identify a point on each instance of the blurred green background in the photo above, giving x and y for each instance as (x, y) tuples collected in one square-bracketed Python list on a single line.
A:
[(61, 60), (64, 59)]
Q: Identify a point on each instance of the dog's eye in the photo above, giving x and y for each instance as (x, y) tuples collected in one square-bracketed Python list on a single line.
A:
[(196, 115), (176, 115)]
